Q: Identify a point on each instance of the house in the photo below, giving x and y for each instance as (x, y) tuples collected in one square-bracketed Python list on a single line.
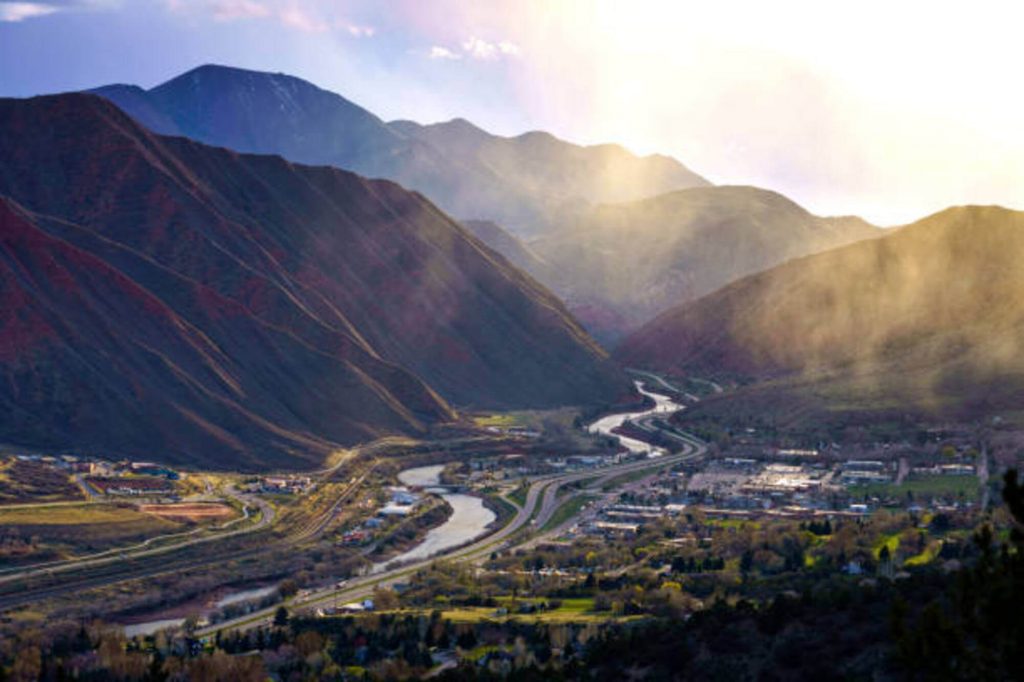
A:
[(395, 510)]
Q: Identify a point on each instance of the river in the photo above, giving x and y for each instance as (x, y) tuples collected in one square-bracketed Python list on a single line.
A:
[(469, 519), (662, 405)]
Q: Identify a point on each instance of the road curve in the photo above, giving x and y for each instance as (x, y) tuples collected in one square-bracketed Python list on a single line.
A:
[(543, 490)]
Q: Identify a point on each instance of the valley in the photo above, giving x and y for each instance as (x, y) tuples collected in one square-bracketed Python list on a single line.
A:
[(378, 342), (297, 523), (522, 509)]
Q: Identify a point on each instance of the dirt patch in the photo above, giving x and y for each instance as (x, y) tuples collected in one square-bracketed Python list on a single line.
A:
[(188, 511)]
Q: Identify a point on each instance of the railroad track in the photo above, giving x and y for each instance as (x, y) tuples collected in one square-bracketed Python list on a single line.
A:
[(543, 492), (55, 581)]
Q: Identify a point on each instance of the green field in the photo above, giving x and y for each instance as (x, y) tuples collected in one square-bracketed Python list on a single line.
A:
[(71, 530), (576, 610), (628, 477), (518, 496), (566, 511), (923, 487)]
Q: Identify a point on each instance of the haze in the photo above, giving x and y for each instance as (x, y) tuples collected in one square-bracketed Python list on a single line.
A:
[(869, 108)]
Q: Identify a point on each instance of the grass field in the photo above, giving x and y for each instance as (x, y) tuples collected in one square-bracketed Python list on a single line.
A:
[(891, 541), (923, 487), (519, 495), (69, 515), (498, 421), (531, 419), (927, 556), (71, 530), (566, 511), (578, 610), (628, 477)]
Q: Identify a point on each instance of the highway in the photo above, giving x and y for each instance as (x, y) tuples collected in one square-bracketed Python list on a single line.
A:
[(542, 501), (40, 582), (145, 548)]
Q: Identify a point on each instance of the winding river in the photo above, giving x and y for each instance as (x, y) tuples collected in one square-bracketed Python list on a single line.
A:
[(662, 405), (469, 519)]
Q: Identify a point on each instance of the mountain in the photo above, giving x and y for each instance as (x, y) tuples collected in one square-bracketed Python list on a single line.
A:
[(618, 266), (526, 183), (172, 300), (534, 182), (929, 317), (508, 245), (267, 113)]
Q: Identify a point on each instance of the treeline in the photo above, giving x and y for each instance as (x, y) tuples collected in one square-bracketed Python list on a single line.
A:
[(931, 626), (936, 624)]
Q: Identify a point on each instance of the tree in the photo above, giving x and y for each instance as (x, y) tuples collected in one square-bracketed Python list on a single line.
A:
[(746, 563), (384, 600), (281, 616)]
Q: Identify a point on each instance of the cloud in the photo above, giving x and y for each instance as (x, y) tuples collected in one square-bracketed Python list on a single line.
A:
[(20, 11), (509, 48), (358, 31), (297, 18), (438, 52), (480, 49), (229, 10), (476, 48)]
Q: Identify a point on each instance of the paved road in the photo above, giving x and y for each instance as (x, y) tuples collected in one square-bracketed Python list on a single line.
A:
[(542, 501), (118, 565), (145, 561), (145, 548)]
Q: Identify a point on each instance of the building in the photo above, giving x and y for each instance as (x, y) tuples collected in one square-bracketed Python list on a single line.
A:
[(131, 486)]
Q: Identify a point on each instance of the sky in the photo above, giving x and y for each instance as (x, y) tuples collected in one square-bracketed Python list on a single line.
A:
[(889, 110)]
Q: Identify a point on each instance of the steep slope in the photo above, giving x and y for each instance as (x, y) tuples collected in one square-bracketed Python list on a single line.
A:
[(264, 113), (508, 245), (327, 297), (542, 181), (526, 183), (90, 360), (928, 317), (618, 266)]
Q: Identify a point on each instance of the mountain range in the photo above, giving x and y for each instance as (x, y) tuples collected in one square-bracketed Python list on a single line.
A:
[(561, 212), (619, 265), (169, 299), (527, 184), (928, 318)]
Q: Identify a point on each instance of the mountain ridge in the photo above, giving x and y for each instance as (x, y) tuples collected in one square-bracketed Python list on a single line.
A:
[(928, 316), (490, 177), (619, 265), (373, 301)]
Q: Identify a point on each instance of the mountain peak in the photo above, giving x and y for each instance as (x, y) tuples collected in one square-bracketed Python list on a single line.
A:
[(227, 308), (927, 316), (525, 183)]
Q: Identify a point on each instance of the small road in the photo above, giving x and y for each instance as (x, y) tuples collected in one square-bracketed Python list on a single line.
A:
[(542, 501), (33, 584), (146, 548), (903, 469), (122, 564), (90, 492)]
